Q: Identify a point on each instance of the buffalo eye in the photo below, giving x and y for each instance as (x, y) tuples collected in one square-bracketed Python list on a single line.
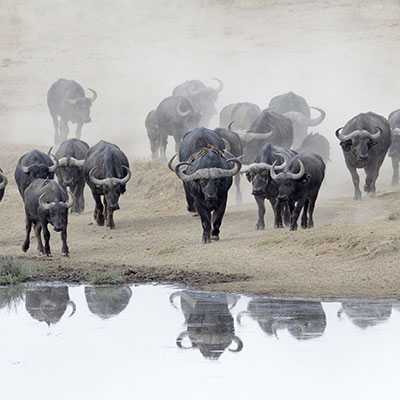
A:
[(372, 143), (203, 183), (346, 146)]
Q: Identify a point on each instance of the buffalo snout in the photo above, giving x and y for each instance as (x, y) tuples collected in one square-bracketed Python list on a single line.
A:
[(363, 157)]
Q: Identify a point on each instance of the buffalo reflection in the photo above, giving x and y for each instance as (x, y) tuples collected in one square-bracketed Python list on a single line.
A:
[(364, 315), (210, 325), (302, 319), (48, 303), (107, 301)]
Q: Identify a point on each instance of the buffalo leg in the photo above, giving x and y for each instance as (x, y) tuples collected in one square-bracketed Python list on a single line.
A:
[(277, 208), (261, 212), (304, 215), (238, 192), (177, 143), (395, 165), (56, 133), (372, 176), (205, 217), (311, 211), (79, 205), (98, 209), (189, 199), (296, 212), (110, 219), (28, 226), (64, 249), (46, 235), (286, 211), (163, 147), (78, 131), (64, 130), (217, 219), (38, 232), (356, 181)]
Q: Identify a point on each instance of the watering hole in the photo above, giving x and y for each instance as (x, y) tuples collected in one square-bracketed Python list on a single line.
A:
[(162, 342)]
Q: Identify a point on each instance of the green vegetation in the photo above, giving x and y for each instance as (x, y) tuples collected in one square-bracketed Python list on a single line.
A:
[(109, 277), (167, 250), (321, 239), (14, 270), (269, 242)]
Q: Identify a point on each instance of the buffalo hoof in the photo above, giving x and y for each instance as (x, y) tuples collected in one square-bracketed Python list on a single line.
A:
[(48, 255), (259, 227), (65, 254), (206, 239), (293, 228), (100, 221), (111, 225), (25, 248), (278, 226), (215, 237), (195, 214)]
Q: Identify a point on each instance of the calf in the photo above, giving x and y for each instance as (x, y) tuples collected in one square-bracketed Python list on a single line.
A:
[(46, 202)]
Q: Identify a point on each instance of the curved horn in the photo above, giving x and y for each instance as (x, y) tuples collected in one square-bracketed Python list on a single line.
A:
[(377, 134), (318, 120), (96, 181), (73, 305), (63, 162), (180, 338), (230, 126), (3, 184), (70, 201), (221, 85), (55, 164), (172, 298), (74, 162), (181, 114), (94, 97), (171, 161), (342, 138), (43, 205), (227, 144), (73, 102), (239, 345), (396, 132), (257, 167), (180, 173), (240, 316), (299, 175), (275, 176), (23, 168), (233, 299), (123, 181), (216, 173), (250, 136)]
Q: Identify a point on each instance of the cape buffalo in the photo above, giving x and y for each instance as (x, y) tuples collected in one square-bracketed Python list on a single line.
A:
[(48, 303), (299, 183), (175, 116), (269, 127), (107, 301), (263, 187), (66, 98), (242, 114), (210, 325), (3, 183), (365, 140), (394, 150), (34, 165), (46, 202), (153, 133), (233, 144), (317, 144), (208, 177), (302, 319), (201, 97), (71, 157), (298, 111), (106, 172), (364, 314)]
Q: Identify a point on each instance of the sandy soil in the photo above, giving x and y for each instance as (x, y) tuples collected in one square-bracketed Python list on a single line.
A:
[(338, 54)]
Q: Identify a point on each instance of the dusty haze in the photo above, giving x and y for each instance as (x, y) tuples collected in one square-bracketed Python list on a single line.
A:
[(340, 55)]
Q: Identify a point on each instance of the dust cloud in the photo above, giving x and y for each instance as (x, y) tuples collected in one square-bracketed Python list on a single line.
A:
[(340, 55)]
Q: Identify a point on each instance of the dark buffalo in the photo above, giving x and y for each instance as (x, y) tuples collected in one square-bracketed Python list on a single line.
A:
[(263, 187), (242, 114), (71, 158), (107, 301), (107, 172), (208, 177), (48, 303), (302, 319), (365, 140), (233, 144), (299, 184), (46, 202), (67, 99), (364, 314), (317, 144), (394, 150), (210, 325), (298, 111), (269, 127), (201, 97), (175, 116), (3, 183), (31, 166), (153, 133)]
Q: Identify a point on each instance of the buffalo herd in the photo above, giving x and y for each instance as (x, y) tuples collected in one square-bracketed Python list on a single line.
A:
[(283, 161)]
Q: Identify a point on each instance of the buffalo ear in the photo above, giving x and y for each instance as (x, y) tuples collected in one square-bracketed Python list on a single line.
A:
[(305, 178), (345, 146), (248, 176)]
